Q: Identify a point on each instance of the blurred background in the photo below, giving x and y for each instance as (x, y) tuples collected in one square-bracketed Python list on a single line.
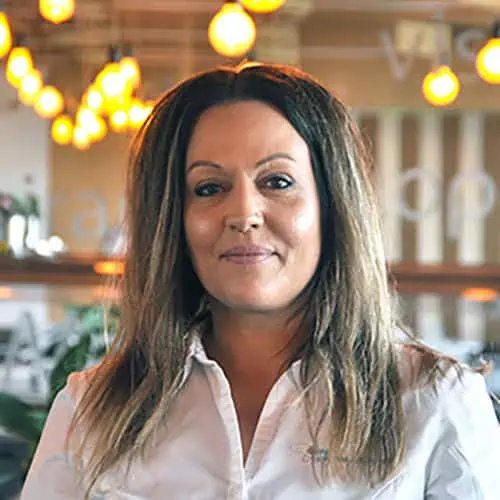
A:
[(77, 79)]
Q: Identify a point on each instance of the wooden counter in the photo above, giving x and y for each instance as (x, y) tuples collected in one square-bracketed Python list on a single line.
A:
[(64, 270)]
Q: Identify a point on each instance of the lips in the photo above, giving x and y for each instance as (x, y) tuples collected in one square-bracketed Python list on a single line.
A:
[(248, 254)]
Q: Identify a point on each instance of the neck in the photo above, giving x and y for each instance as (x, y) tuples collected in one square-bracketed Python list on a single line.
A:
[(252, 344)]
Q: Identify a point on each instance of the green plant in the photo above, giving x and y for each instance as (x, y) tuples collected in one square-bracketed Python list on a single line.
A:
[(24, 421)]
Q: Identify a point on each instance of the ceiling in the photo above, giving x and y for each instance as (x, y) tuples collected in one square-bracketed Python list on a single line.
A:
[(168, 34)]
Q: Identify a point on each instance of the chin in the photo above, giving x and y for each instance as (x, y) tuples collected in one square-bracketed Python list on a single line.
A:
[(246, 303)]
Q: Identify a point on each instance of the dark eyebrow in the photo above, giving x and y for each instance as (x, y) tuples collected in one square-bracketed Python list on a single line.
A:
[(203, 163), (211, 164), (275, 156)]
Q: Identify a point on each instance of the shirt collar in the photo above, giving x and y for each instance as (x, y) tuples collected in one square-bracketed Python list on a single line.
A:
[(197, 350)]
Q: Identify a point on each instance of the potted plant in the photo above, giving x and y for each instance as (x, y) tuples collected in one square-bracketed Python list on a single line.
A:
[(13, 240)]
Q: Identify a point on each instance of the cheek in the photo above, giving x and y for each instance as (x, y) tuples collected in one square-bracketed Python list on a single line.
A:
[(200, 232), (305, 224)]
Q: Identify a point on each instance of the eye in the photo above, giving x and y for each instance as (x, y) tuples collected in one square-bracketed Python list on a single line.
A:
[(207, 189), (278, 182)]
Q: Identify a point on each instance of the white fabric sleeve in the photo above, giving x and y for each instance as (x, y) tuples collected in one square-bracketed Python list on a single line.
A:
[(465, 463), (52, 474)]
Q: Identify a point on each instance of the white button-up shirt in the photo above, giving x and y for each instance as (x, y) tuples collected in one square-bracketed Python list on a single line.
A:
[(453, 447)]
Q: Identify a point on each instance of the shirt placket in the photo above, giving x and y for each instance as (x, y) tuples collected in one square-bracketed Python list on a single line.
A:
[(221, 390), (277, 403)]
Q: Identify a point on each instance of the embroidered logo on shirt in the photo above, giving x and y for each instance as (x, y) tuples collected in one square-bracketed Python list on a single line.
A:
[(318, 455), (311, 454)]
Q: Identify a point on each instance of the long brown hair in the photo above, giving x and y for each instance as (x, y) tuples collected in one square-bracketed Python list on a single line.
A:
[(350, 349)]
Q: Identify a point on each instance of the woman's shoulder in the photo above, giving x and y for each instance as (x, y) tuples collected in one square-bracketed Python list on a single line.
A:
[(441, 383), (77, 383), (451, 423)]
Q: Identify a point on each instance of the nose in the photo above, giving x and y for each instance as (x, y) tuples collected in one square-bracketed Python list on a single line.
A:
[(243, 211), (243, 224)]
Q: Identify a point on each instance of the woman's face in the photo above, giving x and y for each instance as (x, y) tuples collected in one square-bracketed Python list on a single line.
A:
[(252, 216)]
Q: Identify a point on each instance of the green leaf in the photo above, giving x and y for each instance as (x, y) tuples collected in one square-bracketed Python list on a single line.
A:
[(73, 360), (20, 418), (92, 321), (18, 206), (32, 205), (78, 309)]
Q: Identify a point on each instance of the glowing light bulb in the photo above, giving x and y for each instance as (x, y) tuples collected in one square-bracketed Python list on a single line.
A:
[(81, 139), (99, 129), (488, 61), (441, 87), (57, 11), (136, 114), (62, 130), (5, 35), (93, 124), (110, 81), (262, 6), (130, 71), (118, 120), (30, 86), (19, 64), (49, 102), (232, 31), (93, 99), (84, 116)]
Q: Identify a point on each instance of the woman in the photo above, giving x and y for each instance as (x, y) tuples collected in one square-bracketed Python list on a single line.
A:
[(258, 356)]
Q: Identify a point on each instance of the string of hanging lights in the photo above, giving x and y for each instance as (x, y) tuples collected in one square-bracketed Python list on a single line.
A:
[(110, 98), (111, 101), (111, 95), (441, 87)]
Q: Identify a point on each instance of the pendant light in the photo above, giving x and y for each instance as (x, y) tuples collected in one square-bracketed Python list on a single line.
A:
[(441, 87), (232, 30), (488, 58), (57, 11), (5, 35), (262, 6)]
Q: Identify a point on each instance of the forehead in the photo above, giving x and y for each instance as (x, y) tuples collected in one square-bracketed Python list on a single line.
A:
[(249, 125)]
